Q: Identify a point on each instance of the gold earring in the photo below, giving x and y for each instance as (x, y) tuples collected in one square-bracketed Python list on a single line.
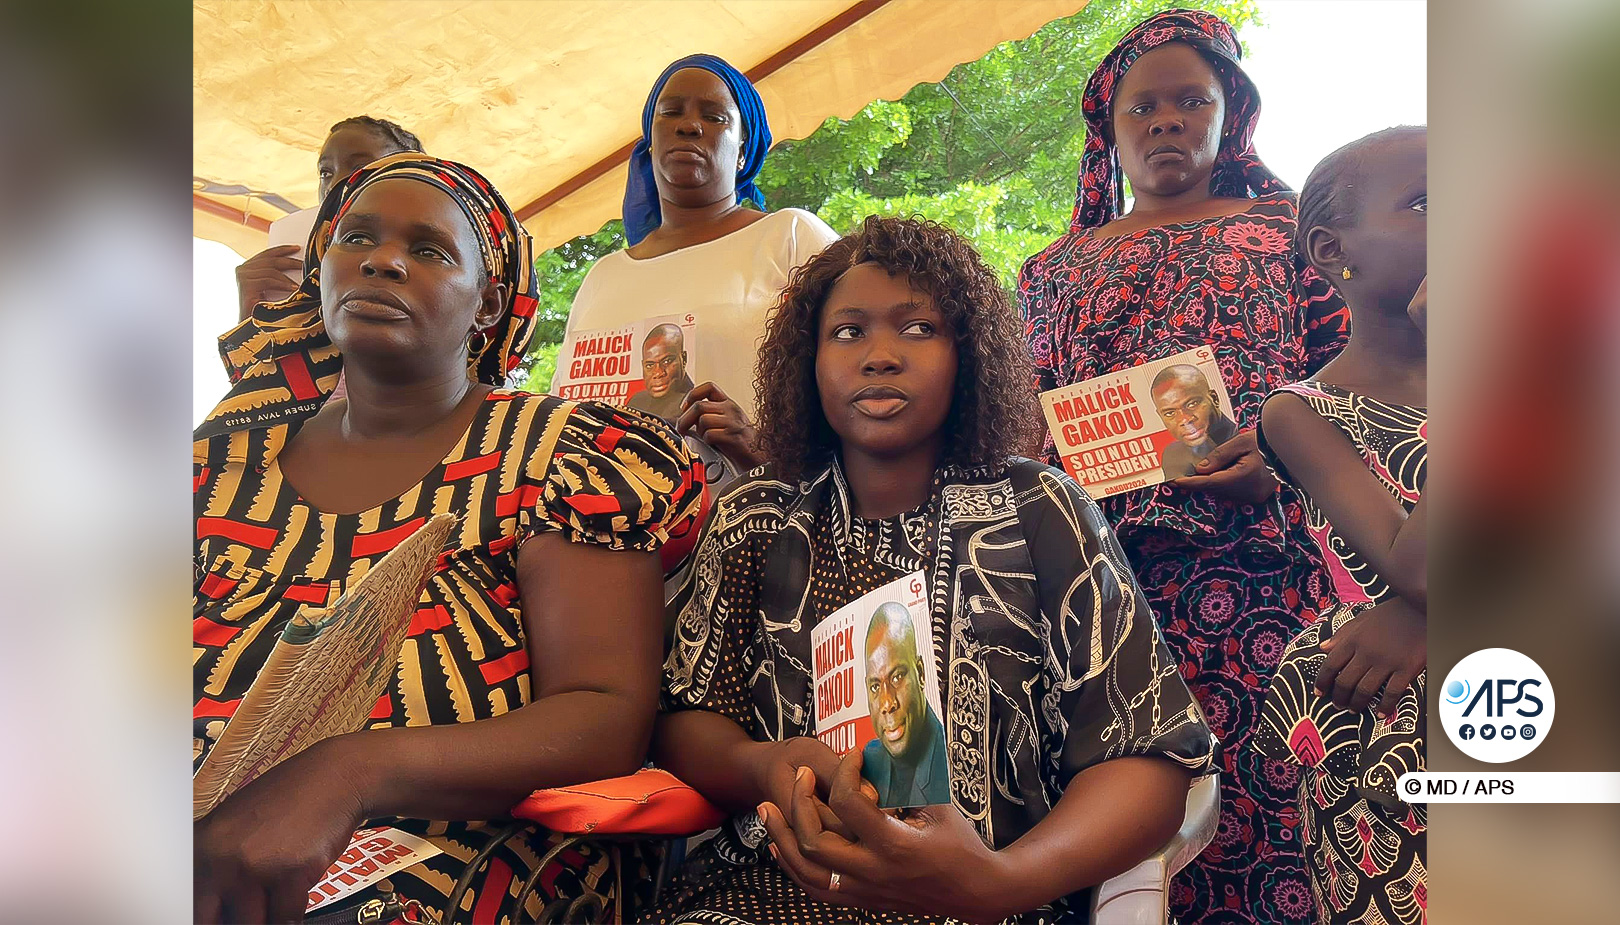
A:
[(1346, 273), (481, 346)]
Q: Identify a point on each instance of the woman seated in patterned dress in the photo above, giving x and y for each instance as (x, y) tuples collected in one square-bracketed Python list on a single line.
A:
[(894, 390), (532, 659), (1354, 440)]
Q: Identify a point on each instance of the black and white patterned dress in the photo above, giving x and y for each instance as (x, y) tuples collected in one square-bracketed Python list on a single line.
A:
[(1365, 847), (1054, 662)]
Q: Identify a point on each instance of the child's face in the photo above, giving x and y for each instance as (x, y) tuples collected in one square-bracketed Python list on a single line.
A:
[(885, 364), (1388, 245), (346, 150)]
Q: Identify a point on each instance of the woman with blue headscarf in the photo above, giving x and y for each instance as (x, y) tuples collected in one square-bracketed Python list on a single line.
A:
[(701, 247)]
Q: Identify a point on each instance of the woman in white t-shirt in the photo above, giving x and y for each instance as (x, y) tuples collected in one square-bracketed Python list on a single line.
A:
[(696, 249)]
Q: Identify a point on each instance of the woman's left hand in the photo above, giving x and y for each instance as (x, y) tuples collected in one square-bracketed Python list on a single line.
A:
[(258, 853), (1235, 471), (912, 865)]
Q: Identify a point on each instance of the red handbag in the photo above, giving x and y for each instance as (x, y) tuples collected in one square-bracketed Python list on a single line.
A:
[(648, 802)]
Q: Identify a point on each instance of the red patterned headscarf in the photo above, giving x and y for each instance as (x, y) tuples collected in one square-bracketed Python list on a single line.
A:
[(1238, 172), (281, 362)]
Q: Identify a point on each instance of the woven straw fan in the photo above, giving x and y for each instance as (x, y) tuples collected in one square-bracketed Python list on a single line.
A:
[(326, 672)]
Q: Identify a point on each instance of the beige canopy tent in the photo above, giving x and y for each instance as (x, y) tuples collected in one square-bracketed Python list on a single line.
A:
[(543, 97)]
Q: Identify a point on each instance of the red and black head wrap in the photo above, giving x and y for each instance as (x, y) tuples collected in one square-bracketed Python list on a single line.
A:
[(281, 362), (1238, 172)]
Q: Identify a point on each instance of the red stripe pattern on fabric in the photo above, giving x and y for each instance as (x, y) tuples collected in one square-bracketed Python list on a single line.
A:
[(609, 438), (210, 708), (593, 504), (215, 587), (428, 619), (504, 594), (311, 593), (371, 544), (508, 504), (205, 632), (496, 884), (505, 667), (246, 534), (299, 381), (467, 468)]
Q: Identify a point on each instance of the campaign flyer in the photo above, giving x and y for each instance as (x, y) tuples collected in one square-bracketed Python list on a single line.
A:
[(646, 365), (372, 854), (1138, 427), (876, 688)]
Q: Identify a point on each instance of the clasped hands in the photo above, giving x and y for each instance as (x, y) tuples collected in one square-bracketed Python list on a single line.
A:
[(924, 861)]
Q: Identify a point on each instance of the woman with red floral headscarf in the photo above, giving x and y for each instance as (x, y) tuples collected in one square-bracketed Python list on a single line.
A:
[(1202, 256)]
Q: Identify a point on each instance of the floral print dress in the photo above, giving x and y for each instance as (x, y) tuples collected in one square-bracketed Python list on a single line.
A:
[(1230, 583)]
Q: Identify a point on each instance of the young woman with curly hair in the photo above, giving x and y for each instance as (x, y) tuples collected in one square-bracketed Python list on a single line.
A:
[(894, 390)]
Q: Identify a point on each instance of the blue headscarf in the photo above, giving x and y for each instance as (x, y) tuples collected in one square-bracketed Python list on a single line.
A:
[(641, 212)]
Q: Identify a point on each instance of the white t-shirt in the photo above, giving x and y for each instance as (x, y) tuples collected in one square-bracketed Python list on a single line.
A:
[(728, 285)]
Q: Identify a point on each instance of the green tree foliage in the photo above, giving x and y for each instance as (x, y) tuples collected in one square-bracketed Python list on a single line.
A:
[(541, 365), (992, 151), (559, 272)]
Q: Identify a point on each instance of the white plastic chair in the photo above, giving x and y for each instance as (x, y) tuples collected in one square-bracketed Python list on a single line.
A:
[(1141, 895)]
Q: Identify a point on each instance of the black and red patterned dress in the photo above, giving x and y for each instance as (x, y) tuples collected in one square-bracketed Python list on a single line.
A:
[(527, 464), (1230, 583), (1366, 847)]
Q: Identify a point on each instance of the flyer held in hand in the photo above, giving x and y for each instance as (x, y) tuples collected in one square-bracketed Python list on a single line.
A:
[(877, 689), (1141, 426)]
